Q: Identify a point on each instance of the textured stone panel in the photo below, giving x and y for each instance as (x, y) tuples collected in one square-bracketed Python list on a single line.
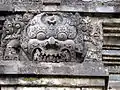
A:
[(39, 88), (65, 82), (48, 88), (65, 5)]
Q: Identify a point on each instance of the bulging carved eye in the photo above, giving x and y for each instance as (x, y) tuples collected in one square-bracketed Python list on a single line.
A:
[(41, 36), (17, 25), (62, 36), (9, 25)]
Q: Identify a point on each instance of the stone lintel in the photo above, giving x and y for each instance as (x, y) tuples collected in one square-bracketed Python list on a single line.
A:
[(71, 68), (53, 81), (49, 2)]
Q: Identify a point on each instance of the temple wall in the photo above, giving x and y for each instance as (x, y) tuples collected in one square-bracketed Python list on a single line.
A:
[(98, 32)]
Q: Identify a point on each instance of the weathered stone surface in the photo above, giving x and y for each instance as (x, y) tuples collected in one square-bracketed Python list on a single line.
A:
[(49, 37), (114, 85), (48, 88), (44, 43), (91, 88), (40, 88), (84, 34), (64, 83), (21, 67), (29, 36), (52, 81), (111, 44), (26, 5), (65, 5), (51, 1)]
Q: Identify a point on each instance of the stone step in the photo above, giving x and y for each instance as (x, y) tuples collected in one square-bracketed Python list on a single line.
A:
[(111, 30), (111, 35)]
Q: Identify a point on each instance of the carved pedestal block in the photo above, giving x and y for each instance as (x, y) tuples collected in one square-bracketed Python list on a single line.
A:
[(57, 83), (55, 76)]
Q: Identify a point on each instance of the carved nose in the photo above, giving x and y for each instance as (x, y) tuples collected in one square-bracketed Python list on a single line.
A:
[(51, 40), (52, 43)]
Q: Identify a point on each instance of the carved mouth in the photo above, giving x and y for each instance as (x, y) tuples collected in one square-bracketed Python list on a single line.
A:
[(50, 56)]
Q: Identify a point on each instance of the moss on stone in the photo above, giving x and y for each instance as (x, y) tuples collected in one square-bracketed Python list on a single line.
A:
[(30, 79)]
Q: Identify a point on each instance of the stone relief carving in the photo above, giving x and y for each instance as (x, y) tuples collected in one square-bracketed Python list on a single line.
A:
[(12, 29), (28, 5), (45, 37), (72, 2), (11, 35)]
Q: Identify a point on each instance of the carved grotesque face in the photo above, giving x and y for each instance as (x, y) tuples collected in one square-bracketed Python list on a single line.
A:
[(51, 38)]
